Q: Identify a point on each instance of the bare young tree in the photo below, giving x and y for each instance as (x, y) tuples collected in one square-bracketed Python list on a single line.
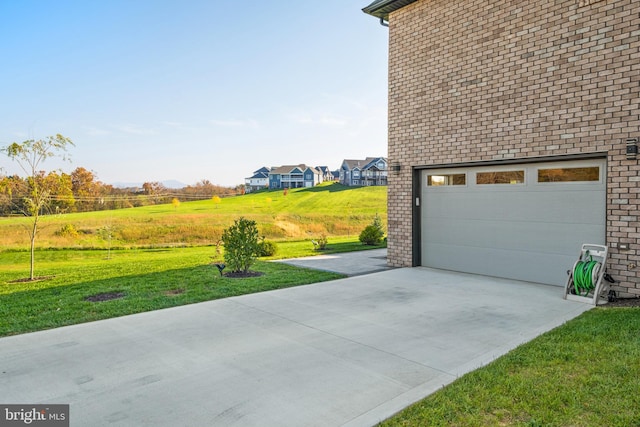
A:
[(29, 155)]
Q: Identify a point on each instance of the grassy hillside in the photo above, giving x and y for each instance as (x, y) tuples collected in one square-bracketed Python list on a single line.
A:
[(302, 214)]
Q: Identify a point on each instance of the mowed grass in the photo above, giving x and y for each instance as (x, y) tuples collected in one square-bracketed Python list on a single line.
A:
[(330, 209), (585, 373), (148, 279), (160, 256), (305, 248)]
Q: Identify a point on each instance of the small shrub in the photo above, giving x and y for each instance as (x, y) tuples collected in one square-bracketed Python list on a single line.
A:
[(321, 243), (240, 245), (266, 248), (373, 233), (67, 230), (216, 200)]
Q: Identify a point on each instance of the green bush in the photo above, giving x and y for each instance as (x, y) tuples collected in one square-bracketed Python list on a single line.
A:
[(373, 233), (266, 248), (240, 245), (321, 243), (67, 230)]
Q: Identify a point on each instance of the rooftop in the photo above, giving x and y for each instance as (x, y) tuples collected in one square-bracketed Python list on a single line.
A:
[(382, 8)]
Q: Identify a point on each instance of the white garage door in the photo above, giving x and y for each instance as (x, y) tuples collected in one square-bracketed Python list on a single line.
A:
[(524, 222)]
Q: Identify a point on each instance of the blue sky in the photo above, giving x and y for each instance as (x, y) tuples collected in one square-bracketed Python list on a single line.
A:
[(152, 90)]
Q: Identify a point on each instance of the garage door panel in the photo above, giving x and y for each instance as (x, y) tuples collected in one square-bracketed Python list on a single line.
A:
[(564, 206), (553, 237), (478, 228), (539, 267)]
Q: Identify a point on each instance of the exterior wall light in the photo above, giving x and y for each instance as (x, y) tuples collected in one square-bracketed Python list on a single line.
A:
[(395, 168), (632, 148)]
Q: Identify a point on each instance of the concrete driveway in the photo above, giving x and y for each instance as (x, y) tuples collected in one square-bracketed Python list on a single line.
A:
[(350, 352), (349, 263)]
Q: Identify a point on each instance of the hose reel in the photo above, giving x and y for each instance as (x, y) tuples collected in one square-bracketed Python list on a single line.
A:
[(585, 282), (585, 275)]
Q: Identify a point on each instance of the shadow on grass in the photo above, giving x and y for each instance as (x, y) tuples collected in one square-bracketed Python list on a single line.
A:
[(333, 188), (61, 305), (334, 248)]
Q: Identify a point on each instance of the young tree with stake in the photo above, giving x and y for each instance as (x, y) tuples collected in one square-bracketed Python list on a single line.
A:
[(29, 155)]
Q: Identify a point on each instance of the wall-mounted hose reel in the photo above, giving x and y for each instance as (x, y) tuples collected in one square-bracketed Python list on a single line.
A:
[(585, 282)]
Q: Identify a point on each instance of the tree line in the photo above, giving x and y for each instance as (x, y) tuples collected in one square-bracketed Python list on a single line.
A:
[(81, 191)]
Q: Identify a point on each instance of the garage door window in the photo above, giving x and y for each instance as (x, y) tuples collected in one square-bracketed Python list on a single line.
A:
[(440, 180), (569, 174), (500, 177)]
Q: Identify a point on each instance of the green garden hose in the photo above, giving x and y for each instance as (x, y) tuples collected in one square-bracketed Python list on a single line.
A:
[(585, 276)]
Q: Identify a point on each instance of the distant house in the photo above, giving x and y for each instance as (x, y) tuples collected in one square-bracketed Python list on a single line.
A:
[(327, 175), (370, 171), (258, 181), (294, 176)]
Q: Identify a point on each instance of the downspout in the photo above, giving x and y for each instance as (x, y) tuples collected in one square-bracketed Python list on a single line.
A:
[(384, 24)]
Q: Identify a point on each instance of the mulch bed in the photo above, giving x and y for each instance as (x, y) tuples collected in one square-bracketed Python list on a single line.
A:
[(105, 296), (173, 292), (624, 302), (35, 279)]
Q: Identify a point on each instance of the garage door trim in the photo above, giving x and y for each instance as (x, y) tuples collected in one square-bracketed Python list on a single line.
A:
[(593, 224), (520, 160)]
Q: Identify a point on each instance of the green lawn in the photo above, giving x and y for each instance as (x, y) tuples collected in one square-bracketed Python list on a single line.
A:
[(160, 256), (304, 248), (584, 373), (148, 279)]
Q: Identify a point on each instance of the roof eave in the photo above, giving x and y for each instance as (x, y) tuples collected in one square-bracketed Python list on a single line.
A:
[(382, 8)]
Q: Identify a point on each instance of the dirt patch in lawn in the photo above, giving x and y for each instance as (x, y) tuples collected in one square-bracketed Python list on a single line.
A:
[(173, 292), (105, 296), (35, 279)]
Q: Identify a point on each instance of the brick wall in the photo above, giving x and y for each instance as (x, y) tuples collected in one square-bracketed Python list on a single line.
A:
[(489, 80)]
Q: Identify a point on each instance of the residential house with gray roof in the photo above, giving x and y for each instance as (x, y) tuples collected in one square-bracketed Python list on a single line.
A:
[(258, 181), (294, 176), (367, 172)]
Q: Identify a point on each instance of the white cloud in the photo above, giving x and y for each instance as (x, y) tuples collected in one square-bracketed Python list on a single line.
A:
[(322, 120), (345, 101), (92, 131), (135, 130), (173, 124), (19, 134), (234, 123)]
